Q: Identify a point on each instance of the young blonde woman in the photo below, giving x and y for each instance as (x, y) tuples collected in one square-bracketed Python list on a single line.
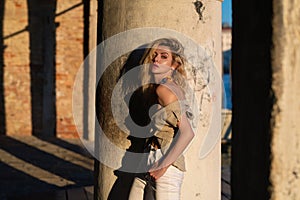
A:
[(163, 67)]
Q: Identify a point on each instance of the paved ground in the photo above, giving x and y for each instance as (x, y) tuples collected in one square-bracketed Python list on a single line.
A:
[(225, 173), (31, 165), (34, 168)]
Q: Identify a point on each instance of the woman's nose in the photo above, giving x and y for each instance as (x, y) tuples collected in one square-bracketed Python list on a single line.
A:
[(156, 58)]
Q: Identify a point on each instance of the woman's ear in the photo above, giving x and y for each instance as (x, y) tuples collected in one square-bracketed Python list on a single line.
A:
[(174, 65)]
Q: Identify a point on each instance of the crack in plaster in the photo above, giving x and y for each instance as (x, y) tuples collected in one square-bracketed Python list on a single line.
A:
[(199, 6)]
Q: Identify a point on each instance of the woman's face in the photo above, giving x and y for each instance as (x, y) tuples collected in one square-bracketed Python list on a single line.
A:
[(162, 60)]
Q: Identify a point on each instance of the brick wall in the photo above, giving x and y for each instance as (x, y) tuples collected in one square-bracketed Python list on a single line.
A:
[(24, 61), (16, 79), (69, 55)]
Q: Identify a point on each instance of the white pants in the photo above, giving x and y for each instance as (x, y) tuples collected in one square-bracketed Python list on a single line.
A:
[(168, 186)]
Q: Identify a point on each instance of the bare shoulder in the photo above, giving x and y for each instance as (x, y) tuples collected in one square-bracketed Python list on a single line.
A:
[(165, 95)]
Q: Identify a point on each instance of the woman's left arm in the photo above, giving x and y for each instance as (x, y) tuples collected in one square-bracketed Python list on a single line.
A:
[(177, 147), (181, 141)]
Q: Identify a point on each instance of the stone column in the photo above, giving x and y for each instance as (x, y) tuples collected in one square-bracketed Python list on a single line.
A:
[(252, 99), (2, 106), (266, 61), (201, 21), (285, 148), (90, 40)]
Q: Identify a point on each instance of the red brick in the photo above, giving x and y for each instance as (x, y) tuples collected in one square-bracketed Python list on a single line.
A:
[(69, 50)]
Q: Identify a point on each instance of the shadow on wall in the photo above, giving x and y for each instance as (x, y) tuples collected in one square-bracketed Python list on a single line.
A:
[(42, 33), (41, 25), (138, 112), (42, 38), (2, 106)]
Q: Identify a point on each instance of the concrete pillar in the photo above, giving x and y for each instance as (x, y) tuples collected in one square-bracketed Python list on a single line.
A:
[(201, 21), (89, 81), (266, 61), (2, 107), (252, 99), (285, 148)]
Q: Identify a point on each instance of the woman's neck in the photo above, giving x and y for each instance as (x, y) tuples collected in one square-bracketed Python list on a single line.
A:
[(159, 78)]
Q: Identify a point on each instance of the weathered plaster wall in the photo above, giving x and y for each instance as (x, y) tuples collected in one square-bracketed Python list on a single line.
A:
[(202, 181), (285, 167)]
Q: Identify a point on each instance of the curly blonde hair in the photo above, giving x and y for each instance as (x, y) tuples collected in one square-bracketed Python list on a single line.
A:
[(177, 51)]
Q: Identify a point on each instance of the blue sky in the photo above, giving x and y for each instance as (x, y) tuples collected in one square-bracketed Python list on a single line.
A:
[(227, 12)]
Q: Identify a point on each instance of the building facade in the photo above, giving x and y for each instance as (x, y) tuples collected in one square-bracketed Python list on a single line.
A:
[(43, 47)]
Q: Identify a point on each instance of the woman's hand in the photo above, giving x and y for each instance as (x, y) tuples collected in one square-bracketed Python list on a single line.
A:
[(158, 172)]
